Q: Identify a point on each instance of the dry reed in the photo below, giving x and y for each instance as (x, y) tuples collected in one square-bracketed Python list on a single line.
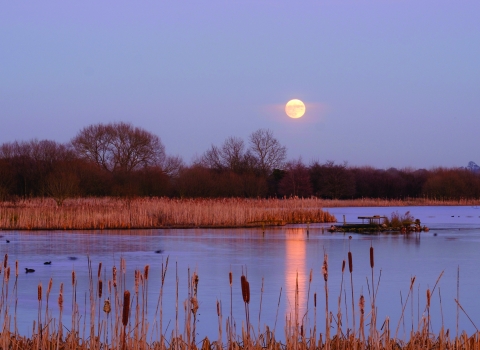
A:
[(129, 328), (116, 213)]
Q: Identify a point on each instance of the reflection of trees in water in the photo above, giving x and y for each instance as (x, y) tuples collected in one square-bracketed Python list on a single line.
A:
[(295, 271)]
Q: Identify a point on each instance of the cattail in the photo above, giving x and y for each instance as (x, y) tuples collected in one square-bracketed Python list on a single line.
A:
[(361, 304), (325, 267), (100, 287), (311, 276), (50, 283), (372, 263), (5, 261), (99, 269), (114, 271), (315, 299), (145, 271), (244, 292), (218, 308), (106, 306), (60, 298), (230, 276), (428, 298), (350, 262), (7, 274), (245, 289), (40, 291), (126, 307), (73, 278), (412, 282), (16, 268)]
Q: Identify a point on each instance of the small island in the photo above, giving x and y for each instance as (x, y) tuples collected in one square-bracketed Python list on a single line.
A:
[(373, 224)]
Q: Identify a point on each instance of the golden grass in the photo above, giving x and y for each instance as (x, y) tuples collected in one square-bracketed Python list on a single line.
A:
[(122, 322), (114, 213), (117, 213), (380, 202)]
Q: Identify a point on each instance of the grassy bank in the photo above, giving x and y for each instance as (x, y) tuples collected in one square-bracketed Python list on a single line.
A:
[(117, 316), (114, 213)]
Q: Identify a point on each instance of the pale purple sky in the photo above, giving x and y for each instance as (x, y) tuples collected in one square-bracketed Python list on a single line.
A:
[(386, 83)]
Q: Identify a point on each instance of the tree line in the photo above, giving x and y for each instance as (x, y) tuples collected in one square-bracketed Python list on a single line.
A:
[(118, 159)]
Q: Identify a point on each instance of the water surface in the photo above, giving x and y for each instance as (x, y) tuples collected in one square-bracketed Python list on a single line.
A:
[(274, 261)]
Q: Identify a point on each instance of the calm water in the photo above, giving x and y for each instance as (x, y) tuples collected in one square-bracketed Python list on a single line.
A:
[(277, 259)]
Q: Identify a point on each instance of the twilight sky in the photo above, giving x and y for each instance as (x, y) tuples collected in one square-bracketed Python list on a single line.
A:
[(386, 83)]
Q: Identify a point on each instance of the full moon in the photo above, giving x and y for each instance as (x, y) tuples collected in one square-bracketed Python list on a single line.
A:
[(295, 108)]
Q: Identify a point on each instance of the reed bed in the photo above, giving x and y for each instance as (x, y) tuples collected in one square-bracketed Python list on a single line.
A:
[(137, 213), (114, 213), (117, 318)]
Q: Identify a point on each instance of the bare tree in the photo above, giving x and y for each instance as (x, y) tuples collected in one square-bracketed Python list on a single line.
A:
[(119, 147), (267, 151), (230, 156)]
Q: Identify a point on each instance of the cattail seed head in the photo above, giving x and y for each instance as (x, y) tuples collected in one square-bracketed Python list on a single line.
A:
[(145, 271), (100, 288), (40, 291), (372, 263), (311, 276), (230, 276), (106, 306), (361, 304), (114, 272), (242, 283), (218, 308), (50, 283), (99, 269), (350, 262), (343, 265), (60, 298), (245, 289), (126, 307), (315, 299), (7, 274), (16, 268), (5, 261), (73, 278), (428, 298), (325, 267)]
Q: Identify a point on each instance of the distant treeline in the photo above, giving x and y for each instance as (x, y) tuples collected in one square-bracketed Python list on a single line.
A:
[(118, 159)]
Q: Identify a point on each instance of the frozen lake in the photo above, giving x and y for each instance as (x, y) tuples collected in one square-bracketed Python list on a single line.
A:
[(278, 257)]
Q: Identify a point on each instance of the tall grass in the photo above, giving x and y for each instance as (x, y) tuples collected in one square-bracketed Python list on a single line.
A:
[(114, 213), (123, 324)]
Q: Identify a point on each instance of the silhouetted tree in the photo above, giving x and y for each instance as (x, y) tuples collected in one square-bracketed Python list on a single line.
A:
[(296, 180), (267, 151), (332, 180), (119, 147)]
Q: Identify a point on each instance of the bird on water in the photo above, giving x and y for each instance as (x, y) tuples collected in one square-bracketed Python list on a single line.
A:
[(27, 270)]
